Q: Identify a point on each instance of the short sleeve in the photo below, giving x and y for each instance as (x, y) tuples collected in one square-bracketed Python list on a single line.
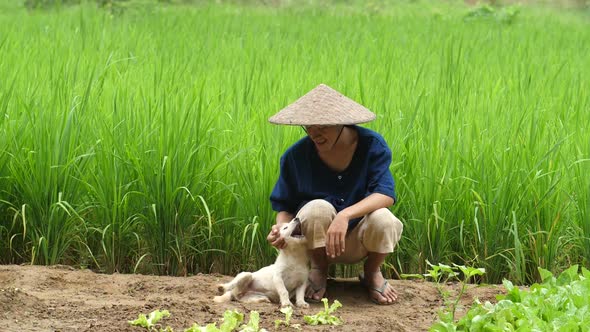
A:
[(282, 196), (380, 179)]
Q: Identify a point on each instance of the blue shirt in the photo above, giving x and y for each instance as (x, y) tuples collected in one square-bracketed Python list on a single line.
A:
[(304, 176)]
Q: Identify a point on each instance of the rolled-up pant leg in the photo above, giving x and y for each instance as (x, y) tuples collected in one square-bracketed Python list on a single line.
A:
[(316, 217), (378, 231)]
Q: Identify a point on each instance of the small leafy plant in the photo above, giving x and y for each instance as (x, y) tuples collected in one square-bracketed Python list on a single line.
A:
[(288, 311), (441, 274), (468, 272), (231, 320), (557, 304), (253, 324), (150, 321), (325, 317)]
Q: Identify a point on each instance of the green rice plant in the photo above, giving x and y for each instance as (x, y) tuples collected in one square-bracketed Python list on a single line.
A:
[(152, 124), (43, 183), (46, 4), (112, 203), (12, 234), (582, 206)]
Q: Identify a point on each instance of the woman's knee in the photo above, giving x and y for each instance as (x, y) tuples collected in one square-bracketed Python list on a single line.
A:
[(381, 231), (384, 220), (317, 211)]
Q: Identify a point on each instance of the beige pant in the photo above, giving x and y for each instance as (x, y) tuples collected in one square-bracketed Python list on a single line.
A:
[(378, 231)]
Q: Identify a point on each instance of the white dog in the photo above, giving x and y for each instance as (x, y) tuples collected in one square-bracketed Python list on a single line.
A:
[(277, 282)]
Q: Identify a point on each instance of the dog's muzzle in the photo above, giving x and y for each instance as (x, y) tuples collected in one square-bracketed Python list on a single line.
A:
[(297, 230)]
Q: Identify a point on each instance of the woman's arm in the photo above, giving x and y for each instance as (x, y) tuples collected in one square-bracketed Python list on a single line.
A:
[(367, 205)]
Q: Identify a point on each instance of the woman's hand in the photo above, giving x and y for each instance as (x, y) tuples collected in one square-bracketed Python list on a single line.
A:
[(336, 235), (275, 238)]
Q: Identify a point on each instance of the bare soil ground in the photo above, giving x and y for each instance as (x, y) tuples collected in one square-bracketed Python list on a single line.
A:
[(60, 298)]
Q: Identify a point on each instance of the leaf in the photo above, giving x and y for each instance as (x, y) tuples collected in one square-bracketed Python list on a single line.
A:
[(209, 328), (545, 274), (325, 317), (568, 275), (513, 293), (231, 320), (442, 327), (140, 321), (151, 320), (253, 323), (554, 305), (334, 306), (446, 268), (288, 311)]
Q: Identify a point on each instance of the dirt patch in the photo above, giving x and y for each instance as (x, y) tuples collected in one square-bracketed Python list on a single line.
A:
[(59, 298)]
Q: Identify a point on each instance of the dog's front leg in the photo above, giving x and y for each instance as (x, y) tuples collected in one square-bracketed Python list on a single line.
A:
[(300, 296), (279, 284)]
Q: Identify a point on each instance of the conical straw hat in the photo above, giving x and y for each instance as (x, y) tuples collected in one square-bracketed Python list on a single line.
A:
[(323, 106)]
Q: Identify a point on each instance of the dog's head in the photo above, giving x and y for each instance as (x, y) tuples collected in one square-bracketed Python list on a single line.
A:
[(291, 232)]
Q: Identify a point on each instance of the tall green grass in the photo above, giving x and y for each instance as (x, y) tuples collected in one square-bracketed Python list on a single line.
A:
[(139, 141)]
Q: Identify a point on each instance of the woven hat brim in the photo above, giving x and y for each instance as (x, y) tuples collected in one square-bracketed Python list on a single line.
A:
[(323, 106)]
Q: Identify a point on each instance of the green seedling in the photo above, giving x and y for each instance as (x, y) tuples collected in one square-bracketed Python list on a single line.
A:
[(208, 328), (438, 271), (441, 274), (231, 320), (468, 273), (288, 311), (325, 317), (253, 323), (150, 321)]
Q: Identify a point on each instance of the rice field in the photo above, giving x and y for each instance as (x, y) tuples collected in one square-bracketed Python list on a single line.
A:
[(137, 140)]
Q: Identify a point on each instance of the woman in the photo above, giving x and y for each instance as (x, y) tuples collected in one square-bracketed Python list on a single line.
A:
[(336, 180)]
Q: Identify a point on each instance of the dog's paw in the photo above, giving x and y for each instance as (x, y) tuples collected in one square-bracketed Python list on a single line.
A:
[(303, 305), (221, 288), (286, 304)]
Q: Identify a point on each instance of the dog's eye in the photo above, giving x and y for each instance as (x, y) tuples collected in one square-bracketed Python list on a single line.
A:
[(285, 227)]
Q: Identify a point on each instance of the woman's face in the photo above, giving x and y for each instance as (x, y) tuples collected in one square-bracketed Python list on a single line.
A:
[(323, 137)]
